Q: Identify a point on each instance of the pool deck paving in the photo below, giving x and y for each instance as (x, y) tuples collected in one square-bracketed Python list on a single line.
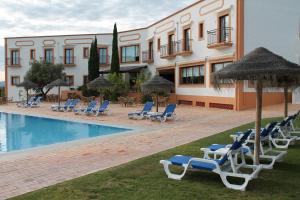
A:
[(32, 169)]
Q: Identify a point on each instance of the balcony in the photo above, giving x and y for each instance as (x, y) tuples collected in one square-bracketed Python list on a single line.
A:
[(184, 47), (147, 57), (104, 60), (68, 61), (219, 38), (13, 62), (47, 60), (181, 47), (168, 51)]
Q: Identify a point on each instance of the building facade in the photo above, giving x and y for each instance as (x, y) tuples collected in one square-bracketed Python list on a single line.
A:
[(185, 47)]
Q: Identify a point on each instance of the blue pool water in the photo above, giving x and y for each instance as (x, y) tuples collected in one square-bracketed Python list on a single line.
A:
[(19, 132)]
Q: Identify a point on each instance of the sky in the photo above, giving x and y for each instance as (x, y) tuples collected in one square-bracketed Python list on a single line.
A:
[(56, 17)]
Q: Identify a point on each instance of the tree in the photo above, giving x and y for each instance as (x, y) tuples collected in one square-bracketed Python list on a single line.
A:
[(44, 73), (115, 62), (93, 65)]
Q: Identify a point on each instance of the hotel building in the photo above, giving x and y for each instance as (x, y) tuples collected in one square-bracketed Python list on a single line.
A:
[(185, 47)]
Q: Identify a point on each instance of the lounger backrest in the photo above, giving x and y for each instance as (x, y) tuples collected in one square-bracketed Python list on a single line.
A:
[(148, 106), (104, 105), (268, 129), (236, 145), (169, 109), (91, 105)]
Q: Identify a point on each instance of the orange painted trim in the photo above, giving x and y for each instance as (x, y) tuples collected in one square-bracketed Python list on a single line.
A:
[(213, 61), (129, 40), (11, 80), (85, 56), (138, 29), (6, 65), (172, 25), (10, 57), (182, 21), (212, 10), (207, 100), (129, 45), (64, 57), (16, 43), (53, 57), (34, 54), (239, 93), (201, 30), (77, 39), (72, 78), (192, 64), (50, 44)]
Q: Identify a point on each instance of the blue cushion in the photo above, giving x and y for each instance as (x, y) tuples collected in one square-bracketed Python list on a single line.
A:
[(216, 147), (181, 160)]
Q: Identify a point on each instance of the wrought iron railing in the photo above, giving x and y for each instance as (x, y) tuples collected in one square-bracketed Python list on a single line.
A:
[(176, 47), (50, 59), (147, 56), (222, 35), (68, 60), (183, 46), (16, 61)]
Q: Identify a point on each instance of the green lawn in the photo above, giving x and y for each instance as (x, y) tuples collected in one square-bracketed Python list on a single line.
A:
[(145, 179)]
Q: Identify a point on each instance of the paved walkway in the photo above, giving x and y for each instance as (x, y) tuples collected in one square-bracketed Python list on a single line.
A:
[(29, 170)]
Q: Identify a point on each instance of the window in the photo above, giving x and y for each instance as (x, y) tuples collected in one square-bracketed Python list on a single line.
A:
[(218, 66), (201, 31), (85, 79), (186, 39), (15, 57), (86, 52), (70, 80), (32, 54), (171, 44), (49, 56), (192, 75), (223, 28), (130, 54), (15, 80), (158, 44), (150, 50), (103, 56), (69, 56)]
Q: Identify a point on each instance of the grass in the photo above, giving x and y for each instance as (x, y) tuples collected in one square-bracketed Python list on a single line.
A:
[(145, 179)]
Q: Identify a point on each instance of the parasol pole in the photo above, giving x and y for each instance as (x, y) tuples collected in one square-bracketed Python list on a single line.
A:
[(59, 96), (258, 121), (286, 96)]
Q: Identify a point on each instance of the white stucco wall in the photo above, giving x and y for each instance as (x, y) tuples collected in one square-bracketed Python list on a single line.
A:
[(275, 25)]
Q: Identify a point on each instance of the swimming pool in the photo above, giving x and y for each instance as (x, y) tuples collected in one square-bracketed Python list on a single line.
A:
[(18, 132)]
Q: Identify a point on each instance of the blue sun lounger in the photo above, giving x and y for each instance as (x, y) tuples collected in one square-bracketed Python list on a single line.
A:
[(26, 103), (226, 166), (267, 153), (64, 106), (72, 105), (35, 103), (169, 113), (141, 114), (103, 108), (88, 110)]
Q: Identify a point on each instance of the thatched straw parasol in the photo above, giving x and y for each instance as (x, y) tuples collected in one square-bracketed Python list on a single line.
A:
[(58, 83), (27, 85), (267, 70), (157, 85), (99, 84)]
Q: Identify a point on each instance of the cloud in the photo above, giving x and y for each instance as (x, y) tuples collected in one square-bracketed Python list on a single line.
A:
[(51, 17)]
